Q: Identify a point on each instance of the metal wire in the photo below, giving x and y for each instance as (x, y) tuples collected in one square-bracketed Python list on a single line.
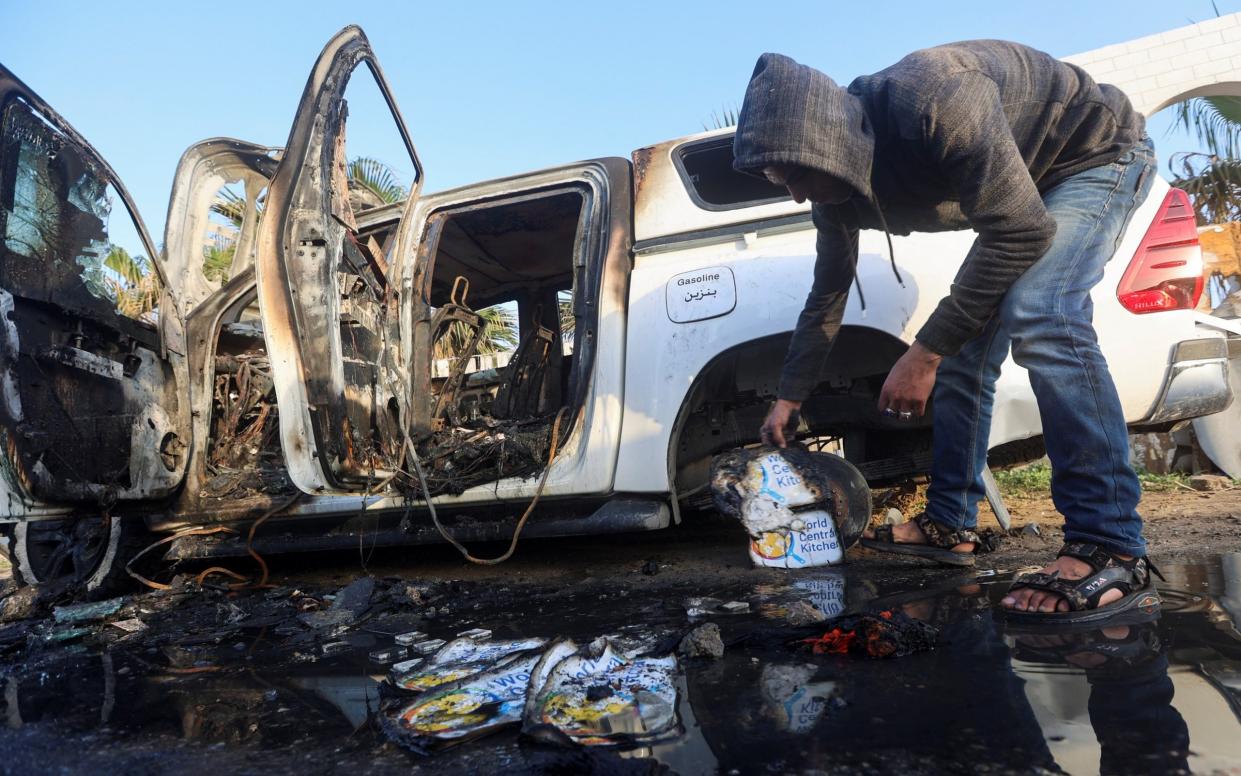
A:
[(426, 495)]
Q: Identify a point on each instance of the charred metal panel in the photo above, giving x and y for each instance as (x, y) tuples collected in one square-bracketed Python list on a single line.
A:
[(89, 391), (330, 308), (236, 467), (664, 203), (203, 169)]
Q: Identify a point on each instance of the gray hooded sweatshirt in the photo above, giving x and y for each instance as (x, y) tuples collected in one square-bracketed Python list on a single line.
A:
[(964, 136)]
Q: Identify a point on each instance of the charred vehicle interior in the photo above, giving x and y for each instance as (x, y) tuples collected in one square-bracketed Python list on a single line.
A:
[(502, 276)]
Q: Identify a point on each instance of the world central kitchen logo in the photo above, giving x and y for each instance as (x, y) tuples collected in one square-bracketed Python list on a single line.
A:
[(778, 473)]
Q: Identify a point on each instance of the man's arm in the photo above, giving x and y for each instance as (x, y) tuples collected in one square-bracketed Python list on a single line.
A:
[(969, 136), (835, 254)]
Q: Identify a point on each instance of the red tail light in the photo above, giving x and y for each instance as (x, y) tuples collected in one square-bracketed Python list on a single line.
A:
[(1166, 271)]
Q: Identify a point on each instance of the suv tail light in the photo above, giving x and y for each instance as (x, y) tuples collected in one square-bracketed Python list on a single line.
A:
[(1166, 271)]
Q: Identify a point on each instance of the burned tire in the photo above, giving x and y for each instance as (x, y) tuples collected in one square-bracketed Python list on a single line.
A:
[(85, 557)]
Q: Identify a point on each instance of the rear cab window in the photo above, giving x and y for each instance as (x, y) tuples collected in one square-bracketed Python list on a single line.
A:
[(706, 167)]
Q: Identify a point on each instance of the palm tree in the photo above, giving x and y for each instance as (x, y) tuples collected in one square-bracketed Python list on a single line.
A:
[(1212, 178), (218, 261), (131, 284), (232, 206), (727, 117), (568, 322), (1215, 121), (1212, 183)]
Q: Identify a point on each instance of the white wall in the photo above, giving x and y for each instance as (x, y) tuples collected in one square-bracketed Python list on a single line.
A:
[(1161, 69)]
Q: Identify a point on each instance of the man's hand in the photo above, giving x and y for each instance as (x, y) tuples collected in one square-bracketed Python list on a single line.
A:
[(909, 383), (778, 418)]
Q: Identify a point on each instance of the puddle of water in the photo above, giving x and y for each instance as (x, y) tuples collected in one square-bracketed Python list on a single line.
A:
[(1153, 697)]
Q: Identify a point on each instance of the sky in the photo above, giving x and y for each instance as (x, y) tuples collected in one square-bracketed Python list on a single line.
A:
[(486, 88)]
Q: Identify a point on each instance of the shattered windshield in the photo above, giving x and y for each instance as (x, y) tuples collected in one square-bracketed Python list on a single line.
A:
[(67, 248)]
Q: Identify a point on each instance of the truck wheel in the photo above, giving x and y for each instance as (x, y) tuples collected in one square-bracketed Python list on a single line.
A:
[(87, 555)]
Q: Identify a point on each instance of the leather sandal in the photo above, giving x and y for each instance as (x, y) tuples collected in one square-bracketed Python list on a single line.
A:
[(1134, 578), (938, 546)]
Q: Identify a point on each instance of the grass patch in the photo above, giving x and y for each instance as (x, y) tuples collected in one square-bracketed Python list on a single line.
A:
[(1030, 479), (1158, 482), (1035, 479)]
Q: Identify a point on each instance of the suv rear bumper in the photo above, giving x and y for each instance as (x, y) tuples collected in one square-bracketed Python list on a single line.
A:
[(1197, 381)]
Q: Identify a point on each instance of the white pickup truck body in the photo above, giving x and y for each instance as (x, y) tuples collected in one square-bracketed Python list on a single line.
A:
[(677, 288)]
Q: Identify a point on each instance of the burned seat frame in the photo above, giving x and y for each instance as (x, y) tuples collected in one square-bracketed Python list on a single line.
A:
[(526, 390), (455, 311)]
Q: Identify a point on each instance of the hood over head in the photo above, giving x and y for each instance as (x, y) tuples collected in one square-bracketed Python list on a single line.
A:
[(795, 114)]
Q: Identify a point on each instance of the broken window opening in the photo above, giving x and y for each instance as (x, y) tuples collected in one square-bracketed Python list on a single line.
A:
[(229, 236), (706, 168)]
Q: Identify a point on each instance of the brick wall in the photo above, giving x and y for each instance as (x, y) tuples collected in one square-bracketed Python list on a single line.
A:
[(1158, 70)]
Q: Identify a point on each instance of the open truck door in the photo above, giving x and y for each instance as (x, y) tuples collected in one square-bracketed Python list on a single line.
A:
[(93, 405), (329, 292)]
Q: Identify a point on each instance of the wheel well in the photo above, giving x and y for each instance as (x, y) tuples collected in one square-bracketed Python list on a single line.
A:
[(727, 402)]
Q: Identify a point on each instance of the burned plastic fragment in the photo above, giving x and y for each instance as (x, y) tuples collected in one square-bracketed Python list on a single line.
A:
[(387, 655), (86, 612), (428, 646), (800, 508), (409, 639), (888, 633)]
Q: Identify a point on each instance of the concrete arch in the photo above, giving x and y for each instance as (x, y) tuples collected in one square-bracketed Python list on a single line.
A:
[(1158, 70), (1220, 89)]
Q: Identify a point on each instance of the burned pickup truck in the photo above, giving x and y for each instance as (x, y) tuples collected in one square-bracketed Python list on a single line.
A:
[(315, 360)]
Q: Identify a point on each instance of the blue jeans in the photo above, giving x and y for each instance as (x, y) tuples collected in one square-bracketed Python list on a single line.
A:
[(1046, 319)]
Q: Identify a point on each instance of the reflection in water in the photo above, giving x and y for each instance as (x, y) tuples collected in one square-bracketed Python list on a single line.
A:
[(1129, 698), (1130, 694)]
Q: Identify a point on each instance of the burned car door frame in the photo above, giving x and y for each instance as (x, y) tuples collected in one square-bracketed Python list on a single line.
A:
[(206, 168), (590, 430), (340, 398), (94, 404)]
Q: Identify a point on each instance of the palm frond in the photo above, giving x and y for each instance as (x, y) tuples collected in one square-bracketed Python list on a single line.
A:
[(1215, 121), (376, 177), (131, 284), (1212, 183), (499, 334), (568, 322), (218, 261), (726, 117), (230, 205)]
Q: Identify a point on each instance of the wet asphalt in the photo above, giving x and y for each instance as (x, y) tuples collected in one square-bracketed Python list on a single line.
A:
[(214, 680)]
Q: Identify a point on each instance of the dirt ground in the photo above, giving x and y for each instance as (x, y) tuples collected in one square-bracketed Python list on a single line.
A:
[(240, 682)]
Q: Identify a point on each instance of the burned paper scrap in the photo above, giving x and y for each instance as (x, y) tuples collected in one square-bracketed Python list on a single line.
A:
[(604, 693), (465, 709), (598, 696), (462, 658)]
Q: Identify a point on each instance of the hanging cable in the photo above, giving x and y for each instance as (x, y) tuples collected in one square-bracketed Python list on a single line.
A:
[(465, 553)]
